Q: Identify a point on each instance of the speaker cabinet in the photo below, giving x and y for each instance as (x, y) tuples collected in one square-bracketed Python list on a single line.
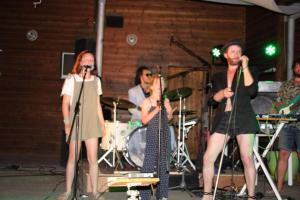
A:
[(114, 21), (85, 44)]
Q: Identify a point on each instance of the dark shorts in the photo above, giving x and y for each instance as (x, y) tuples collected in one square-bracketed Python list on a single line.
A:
[(288, 137), (223, 127)]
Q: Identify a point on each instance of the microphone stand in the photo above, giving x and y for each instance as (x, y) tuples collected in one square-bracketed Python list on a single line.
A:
[(76, 118), (162, 108)]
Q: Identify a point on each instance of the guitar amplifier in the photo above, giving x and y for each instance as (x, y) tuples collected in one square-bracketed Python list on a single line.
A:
[(267, 93)]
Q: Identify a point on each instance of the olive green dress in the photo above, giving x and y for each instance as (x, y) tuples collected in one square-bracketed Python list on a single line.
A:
[(89, 126)]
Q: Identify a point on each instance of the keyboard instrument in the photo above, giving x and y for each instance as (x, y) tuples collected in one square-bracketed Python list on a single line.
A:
[(277, 117)]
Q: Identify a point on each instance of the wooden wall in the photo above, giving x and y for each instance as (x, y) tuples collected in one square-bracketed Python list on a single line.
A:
[(263, 27), (30, 84)]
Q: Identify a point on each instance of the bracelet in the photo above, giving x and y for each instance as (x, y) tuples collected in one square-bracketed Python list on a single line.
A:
[(66, 121)]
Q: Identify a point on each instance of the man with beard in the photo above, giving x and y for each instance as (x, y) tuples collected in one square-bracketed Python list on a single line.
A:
[(289, 94), (232, 91)]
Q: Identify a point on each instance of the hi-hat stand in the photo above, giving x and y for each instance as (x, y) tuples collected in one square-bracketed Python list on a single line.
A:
[(113, 147), (182, 151)]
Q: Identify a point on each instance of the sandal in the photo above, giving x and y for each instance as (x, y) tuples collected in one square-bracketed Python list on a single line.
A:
[(251, 197), (207, 194)]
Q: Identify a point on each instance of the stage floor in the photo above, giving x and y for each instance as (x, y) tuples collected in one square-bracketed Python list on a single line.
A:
[(47, 183)]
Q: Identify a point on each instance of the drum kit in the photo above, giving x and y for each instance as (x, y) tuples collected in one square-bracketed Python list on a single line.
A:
[(130, 138)]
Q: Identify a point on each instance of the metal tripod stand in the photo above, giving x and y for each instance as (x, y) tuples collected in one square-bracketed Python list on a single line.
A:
[(113, 147), (182, 151)]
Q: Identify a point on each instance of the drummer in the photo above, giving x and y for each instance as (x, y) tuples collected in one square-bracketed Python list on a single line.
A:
[(137, 94), (140, 91)]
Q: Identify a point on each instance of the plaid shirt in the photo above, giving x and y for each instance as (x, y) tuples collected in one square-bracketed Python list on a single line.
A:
[(287, 92)]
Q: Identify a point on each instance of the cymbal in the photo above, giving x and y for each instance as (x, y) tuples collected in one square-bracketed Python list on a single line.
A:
[(120, 103), (174, 95), (184, 112)]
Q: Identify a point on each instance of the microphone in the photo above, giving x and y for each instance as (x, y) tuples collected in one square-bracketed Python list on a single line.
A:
[(89, 67), (270, 70)]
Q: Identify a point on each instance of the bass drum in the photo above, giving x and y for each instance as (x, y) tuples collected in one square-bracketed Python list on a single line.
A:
[(135, 148)]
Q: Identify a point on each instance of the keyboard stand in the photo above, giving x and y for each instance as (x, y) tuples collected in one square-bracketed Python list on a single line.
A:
[(259, 162)]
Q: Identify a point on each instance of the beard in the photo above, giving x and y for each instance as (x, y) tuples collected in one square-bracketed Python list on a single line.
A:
[(233, 61)]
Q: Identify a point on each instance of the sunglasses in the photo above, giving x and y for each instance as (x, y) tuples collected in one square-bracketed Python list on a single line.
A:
[(148, 74)]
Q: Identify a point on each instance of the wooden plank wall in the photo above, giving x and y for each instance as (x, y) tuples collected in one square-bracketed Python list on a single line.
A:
[(30, 84), (199, 26), (263, 27)]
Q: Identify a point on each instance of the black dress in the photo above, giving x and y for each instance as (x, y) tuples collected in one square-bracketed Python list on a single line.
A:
[(244, 117)]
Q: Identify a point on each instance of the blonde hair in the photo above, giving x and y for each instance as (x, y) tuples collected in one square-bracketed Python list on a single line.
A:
[(156, 78)]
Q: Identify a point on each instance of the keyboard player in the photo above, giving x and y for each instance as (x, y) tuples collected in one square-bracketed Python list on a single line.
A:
[(288, 102)]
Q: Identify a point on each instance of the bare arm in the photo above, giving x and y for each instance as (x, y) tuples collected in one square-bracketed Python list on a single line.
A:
[(248, 78), (168, 109), (100, 117), (221, 94), (146, 115), (66, 113)]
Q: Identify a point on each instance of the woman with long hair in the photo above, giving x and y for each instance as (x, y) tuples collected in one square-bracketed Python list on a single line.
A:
[(151, 108), (91, 121)]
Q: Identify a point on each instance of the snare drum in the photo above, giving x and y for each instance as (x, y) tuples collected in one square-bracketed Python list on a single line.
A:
[(122, 130)]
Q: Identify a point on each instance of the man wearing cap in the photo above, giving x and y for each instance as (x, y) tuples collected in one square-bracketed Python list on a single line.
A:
[(232, 91)]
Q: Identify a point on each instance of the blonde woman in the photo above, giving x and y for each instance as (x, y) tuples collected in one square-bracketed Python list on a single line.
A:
[(150, 116)]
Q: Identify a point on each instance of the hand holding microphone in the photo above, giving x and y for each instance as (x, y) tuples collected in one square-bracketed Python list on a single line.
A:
[(244, 60)]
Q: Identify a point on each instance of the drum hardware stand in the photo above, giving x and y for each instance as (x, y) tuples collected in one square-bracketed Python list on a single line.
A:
[(182, 151), (113, 148)]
